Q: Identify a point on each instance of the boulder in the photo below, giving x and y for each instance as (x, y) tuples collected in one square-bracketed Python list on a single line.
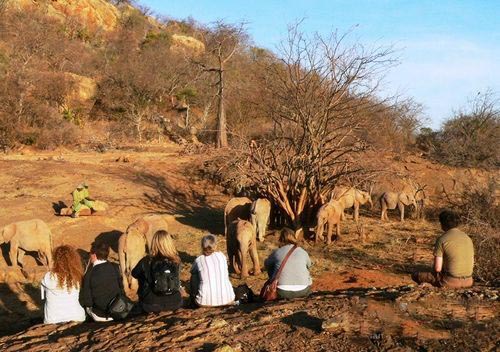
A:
[(186, 44), (82, 93)]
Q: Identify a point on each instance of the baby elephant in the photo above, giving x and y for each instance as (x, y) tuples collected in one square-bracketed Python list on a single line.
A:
[(329, 214), (259, 215), (135, 243), (148, 225), (28, 236), (132, 247), (241, 240), (236, 208)]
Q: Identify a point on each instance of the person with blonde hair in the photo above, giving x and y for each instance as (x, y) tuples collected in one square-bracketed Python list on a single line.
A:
[(61, 286), (158, 276), (210, 285), (295, 279)]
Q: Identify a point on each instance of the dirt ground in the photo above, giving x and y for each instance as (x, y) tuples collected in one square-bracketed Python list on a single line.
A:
[(363, 282)]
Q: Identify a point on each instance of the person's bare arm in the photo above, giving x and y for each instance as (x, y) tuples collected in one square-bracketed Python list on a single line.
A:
[(438, 264)]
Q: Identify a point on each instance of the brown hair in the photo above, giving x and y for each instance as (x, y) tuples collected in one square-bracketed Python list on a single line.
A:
[(67, 267), (287, 236), (100, 249), (162, 245)]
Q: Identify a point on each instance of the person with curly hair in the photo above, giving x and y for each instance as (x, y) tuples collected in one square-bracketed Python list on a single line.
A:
[(61, 286)]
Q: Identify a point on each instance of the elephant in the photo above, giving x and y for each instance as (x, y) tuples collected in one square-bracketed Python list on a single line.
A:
[(132, 247), (148, 225), (391, 200), (421, 200), (353, 197), (28, 236), (329, 214), (241, 240), (238, 207), (259, 216)]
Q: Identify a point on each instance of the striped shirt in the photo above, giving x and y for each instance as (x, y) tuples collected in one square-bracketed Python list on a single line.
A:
[(215, 289)]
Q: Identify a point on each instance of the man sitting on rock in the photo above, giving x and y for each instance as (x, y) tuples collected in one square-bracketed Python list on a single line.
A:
[(453, 256), (81, 197)]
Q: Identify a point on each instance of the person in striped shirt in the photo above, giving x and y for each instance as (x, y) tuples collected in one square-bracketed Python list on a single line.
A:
[(210, 285)]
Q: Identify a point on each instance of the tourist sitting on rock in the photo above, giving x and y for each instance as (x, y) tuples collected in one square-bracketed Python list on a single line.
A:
[(210, 285), (158, 276), (453, 256), (81, 197), (102, 283), (61, 286), (294, 280)]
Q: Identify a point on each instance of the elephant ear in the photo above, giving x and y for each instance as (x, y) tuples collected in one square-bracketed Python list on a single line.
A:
[(404, 198), (8, 232), (144, 226)]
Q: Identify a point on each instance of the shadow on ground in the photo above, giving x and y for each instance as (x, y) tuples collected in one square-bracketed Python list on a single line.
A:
[(303, 319), (15, 312), (174, 196)]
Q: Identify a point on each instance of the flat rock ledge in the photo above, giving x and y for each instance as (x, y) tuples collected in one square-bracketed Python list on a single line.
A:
[(347, 320)]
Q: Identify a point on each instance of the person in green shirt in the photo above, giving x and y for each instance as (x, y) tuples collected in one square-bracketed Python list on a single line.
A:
[(81, 197), (453, 256)]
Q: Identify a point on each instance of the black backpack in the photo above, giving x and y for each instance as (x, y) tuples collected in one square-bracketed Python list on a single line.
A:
[(164, 277)]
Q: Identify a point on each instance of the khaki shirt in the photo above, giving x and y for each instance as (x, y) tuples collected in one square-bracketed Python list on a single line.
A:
[(457, 251)]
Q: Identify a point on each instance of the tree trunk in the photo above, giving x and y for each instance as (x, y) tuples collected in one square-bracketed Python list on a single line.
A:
[(186, 119), (138, 126), (221, 114)]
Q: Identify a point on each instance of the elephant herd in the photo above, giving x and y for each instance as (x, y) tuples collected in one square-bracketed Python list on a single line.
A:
[(245, 223)]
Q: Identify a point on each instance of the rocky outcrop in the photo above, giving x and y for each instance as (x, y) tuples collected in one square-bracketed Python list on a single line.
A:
[(82, 93), (348, 320), (187, 44), (95, 14)]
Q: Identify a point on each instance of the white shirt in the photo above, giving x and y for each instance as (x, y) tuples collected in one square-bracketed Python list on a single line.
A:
[(61, 305), (215, 288), (294, 288)]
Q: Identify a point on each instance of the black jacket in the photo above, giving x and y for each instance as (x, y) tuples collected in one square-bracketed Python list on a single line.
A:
[(101, 284), (150, 301)]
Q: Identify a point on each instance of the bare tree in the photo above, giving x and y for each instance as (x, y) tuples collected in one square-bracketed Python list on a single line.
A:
[(317, 89), (222, 41)]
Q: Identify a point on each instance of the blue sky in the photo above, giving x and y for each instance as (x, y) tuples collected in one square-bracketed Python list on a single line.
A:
[(449, 50)]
